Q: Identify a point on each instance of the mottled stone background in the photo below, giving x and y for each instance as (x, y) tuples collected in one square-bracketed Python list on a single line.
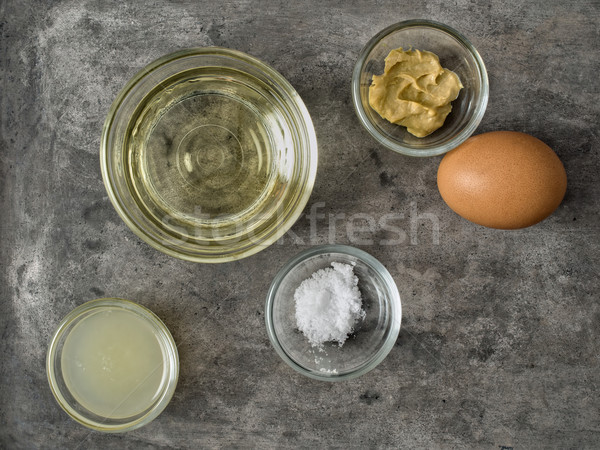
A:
[(499, 345)]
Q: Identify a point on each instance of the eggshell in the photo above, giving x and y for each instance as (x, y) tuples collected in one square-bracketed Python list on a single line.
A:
[(502, 179)]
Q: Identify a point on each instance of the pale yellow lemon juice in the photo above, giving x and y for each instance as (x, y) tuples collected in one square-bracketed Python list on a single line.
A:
[(112, 363)]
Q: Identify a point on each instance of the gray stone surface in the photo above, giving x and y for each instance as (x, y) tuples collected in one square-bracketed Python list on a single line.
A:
[(499, 345)]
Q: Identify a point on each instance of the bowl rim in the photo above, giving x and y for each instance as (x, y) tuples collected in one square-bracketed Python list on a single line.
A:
[(171, 360), (464, 134), (393, 299), (276, 79)]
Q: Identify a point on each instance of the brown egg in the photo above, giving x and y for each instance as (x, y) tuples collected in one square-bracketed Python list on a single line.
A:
[(502, 179)]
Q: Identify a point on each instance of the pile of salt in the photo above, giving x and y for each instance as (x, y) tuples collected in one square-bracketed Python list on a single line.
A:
[(329, 304)]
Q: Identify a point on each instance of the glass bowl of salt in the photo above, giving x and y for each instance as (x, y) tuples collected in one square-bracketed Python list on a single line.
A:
[(333, 312)]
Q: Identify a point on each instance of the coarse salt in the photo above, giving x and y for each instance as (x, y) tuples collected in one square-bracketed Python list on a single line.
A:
[(329, 304)]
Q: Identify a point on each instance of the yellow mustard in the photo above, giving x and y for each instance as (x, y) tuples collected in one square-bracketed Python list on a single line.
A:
[(414, 91)]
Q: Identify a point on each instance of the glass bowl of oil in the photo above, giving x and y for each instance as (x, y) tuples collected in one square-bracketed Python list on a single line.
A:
[(208, 155), (112, 365)]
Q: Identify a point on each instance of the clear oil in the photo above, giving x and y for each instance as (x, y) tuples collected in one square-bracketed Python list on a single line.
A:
[(206, 148)]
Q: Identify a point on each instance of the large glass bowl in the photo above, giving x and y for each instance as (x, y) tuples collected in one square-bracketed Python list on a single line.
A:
[(456, 53), (146, 331), (208, 155), (373, 337)]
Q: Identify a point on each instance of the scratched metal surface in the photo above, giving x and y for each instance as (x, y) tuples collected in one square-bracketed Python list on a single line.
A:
[(499, 345)]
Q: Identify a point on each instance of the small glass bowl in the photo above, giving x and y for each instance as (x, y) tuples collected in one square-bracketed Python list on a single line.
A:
[(73, 403), (208, 155), (456, 53), (373, 337)]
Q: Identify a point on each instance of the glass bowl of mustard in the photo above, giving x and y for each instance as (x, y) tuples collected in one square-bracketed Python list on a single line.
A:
[(112, 365), (455, 53), (372, 336), (208, 155)]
